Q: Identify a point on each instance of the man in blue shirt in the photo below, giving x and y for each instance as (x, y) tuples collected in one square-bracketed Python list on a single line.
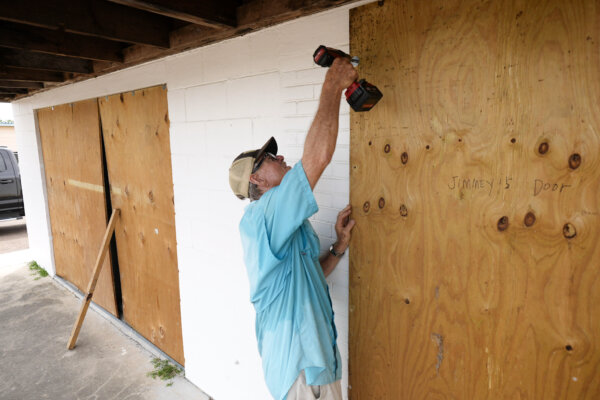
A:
[(295, 327)]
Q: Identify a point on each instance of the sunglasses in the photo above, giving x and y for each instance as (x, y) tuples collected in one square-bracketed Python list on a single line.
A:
[(272, 156)]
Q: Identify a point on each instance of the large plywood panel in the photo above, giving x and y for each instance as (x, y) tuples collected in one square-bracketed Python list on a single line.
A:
[(72, 152), (475, 185), (135, 126)]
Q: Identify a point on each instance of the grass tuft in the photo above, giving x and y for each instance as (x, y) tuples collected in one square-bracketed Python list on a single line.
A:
[(164, 370), (37, 270)]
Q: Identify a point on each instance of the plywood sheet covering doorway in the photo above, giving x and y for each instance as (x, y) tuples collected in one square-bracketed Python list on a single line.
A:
[(72, 152), (136, 135), (475, 184)]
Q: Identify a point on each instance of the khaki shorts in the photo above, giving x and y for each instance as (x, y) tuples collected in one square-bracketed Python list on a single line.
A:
[(301, 391)]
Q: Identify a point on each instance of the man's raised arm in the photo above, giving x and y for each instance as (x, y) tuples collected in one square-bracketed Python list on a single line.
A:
[(322, 135)]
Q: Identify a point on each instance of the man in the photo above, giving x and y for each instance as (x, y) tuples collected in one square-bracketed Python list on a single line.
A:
[(294, 318)]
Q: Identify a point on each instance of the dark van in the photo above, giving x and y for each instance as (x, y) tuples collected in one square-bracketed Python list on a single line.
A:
[(11, 195)]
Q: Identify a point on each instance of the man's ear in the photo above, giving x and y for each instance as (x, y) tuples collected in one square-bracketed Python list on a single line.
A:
[(256, 179)]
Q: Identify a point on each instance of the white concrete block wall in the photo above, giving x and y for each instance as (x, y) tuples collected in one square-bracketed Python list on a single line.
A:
[(33, 182), (223, 99)]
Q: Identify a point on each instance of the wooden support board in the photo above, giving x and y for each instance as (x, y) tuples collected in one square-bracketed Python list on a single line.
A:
[(72, 152), (85, 303), (135, 126), (475, 184)]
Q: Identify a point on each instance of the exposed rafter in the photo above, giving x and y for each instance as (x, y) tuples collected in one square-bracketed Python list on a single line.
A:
[(21, 84), (33, 75), (218, 14), (4, 91), (269, 12), (28, 59), (60, 43), (93, 18)]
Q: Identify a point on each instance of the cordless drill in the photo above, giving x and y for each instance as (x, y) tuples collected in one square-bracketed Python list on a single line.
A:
[(361, 95)]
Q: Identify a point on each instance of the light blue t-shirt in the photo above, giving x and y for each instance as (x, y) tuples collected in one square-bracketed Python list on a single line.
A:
[(294, 317)]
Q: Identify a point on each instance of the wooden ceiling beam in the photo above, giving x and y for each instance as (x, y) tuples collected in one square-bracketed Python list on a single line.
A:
[(93, 17), (21, 84), (217, 14), (7, 98), (28, 59), (4, 91), (251, 16), (269, 12), (33, 75), (27, 37)]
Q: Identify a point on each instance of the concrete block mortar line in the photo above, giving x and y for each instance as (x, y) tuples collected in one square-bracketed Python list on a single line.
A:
[(120, 325)]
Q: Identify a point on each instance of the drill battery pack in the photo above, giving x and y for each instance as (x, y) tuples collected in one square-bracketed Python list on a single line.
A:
[(362, 96)]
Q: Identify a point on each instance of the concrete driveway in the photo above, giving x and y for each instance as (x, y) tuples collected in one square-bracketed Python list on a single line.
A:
[(13, 235), (36, 317)]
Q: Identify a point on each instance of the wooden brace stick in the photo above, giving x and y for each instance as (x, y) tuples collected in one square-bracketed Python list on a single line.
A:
[(92, 285)]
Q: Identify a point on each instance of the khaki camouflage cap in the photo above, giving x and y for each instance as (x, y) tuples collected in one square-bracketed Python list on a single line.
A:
[(242, 165)]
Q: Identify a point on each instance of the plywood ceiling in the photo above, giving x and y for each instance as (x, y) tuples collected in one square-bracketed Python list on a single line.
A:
[(47, 44)]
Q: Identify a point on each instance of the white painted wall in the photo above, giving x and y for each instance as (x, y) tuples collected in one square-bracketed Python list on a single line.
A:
[(223, 99)]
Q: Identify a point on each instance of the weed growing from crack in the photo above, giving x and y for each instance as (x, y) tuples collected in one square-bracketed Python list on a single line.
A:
[(164, 370), (37, 270)]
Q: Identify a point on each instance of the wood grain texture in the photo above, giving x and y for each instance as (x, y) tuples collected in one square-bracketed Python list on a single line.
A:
[(479, 277), (135, 126), (72, 152)]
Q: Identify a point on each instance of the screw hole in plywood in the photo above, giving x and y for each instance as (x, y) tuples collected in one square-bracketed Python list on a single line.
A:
[(569, 347), (513, 140)]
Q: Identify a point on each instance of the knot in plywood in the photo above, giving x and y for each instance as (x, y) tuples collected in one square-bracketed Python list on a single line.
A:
[(574, 161), (404, 157), (503, 223), (366, 206), (569, 230), (529, 219)]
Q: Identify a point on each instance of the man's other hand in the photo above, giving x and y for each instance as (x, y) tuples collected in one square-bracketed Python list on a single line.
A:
[(343, 229)]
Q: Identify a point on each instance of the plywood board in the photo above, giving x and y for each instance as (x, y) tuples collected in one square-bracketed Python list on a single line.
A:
[(475, 184), (72, 152), (135, 126)]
